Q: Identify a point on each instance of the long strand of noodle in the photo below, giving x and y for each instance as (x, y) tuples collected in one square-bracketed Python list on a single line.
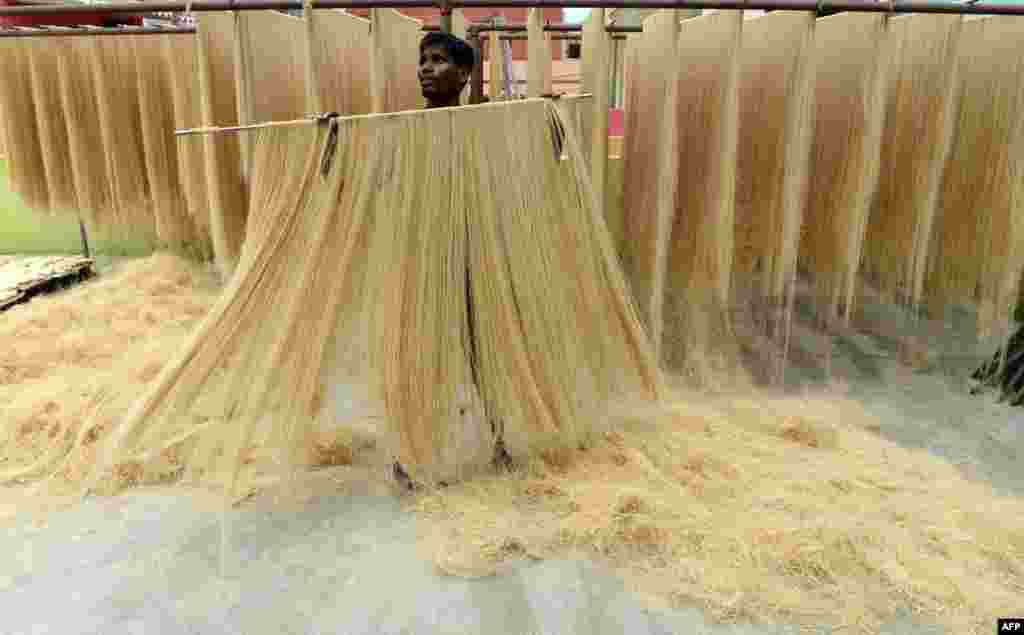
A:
[(278, 72), (342, 56), (979, 241), (776, 126), (115, 75), (700, 251), (314, 101), (21, 133), (222, 153), (850, 105), (85, 140), (174, 226), (393, 62), (598, 44), (651, 160), (915, 149), (539, 63), (245, 83), (181, 59), (43, 62)]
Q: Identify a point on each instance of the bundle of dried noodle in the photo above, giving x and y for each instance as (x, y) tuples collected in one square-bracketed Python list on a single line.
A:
[(341, 56), (115, 75), (539, 79), (700, 250), (651, 160), (21, 134), (394, 59), (175, 228), (596, 78), (216, 61), (85, 140), (979, 241), (182, 63), (915, 148), (776, 125), (276, 66), (44, 65), (360, 271), (851, 82), (850, 86)]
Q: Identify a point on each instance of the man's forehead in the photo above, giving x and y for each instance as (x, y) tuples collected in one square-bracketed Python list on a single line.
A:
[(436, 49)]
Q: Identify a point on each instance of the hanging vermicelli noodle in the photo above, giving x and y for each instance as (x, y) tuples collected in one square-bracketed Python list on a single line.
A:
[(278, 58), (43, 63), (700, 251), (852, 61), (181, 61), (85, 140), (222, 153), (21, 134), (342, 57), (915, 149), (590, 41), (174, 226), (539, 66), (575, 111), (776, 100), (115, 76), (651, 158), (394, 59), (409, 202), (979, 240), (496, 74), (597, 43)]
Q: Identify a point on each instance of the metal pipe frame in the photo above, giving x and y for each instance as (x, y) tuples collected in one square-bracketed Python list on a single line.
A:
[(571, 37), (816, 6), (552, 28), (44, 31), (549, 28)]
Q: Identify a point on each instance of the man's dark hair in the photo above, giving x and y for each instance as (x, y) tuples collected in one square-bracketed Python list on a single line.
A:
[(458, 50)]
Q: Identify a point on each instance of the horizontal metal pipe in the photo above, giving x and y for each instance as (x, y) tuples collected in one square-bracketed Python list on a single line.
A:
[(549, 28), (571, 37), (868, 6), (822, 6), (78, 32), (179, 6)]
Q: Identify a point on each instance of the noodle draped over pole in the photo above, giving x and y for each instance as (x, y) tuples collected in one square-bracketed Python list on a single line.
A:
[(354, 280)]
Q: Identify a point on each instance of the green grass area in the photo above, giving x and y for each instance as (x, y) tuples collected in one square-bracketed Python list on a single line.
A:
[(23, 231)]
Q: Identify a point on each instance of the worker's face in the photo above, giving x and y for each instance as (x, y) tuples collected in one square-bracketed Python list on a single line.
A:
[(441, 80)]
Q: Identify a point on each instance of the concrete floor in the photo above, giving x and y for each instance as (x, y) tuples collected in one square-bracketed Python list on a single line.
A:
[(149, 562), (150, 565)]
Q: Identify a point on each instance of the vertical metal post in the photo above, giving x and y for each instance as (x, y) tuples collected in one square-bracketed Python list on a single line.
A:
[(446, 17), (85, 238), (476, 81)]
